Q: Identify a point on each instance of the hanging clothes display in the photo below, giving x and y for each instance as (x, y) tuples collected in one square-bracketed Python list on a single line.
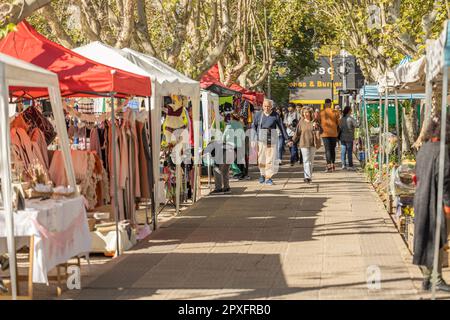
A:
[(173, 107), (89, 175)]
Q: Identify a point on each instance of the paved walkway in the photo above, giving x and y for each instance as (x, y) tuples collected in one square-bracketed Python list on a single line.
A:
[(287, 241)]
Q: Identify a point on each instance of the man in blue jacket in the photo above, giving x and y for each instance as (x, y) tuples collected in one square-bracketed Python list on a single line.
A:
[(265, 136)]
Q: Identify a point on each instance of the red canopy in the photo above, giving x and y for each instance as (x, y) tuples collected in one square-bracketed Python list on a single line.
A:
[(211, 81), (257, 98), (78, 76)]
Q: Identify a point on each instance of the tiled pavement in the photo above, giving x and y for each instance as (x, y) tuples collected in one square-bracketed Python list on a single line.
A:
[(287, 241)]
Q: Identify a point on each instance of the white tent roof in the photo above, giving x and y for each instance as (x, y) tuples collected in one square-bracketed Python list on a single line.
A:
[(387, 81), (170, 80), (167, 74), (406, 78), (435, 54), (411, 76), (18, 72), (165, 81), (109, 56)]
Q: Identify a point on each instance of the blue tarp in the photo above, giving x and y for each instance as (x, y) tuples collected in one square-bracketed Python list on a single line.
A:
[(370, 92)]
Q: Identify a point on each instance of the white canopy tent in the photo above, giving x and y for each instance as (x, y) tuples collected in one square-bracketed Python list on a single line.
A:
[(165, 81), (113, 57), (211, 113), (17, 73), (437, 72), (410, 76)]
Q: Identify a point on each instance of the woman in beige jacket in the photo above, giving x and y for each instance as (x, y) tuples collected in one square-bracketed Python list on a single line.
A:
[(307, 136)]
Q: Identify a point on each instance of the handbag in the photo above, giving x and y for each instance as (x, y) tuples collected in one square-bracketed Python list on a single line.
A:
[(317, 139)]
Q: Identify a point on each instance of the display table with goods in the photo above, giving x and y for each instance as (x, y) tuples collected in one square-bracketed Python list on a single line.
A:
[(403, 189), (59, 228)]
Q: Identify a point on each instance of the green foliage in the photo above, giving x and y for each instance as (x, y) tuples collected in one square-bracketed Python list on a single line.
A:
[(5, 30)]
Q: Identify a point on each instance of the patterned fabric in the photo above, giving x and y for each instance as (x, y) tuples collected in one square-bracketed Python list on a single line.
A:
[(34, 119)]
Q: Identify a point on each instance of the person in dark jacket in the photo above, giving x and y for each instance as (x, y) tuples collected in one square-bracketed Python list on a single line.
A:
[(265, 135), (347, 125), (425, 206)]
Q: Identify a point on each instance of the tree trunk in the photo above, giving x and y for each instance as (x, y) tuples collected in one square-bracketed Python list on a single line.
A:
[(406, 142), (126, 33), (57, 28)]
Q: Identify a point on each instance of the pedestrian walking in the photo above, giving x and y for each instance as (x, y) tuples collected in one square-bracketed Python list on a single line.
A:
[(307, 137), (264, 135), (329, 122), (347, 126), (234, 134), (222, 155), (291, 121), (281, 141), (425, 206), (299, 109)]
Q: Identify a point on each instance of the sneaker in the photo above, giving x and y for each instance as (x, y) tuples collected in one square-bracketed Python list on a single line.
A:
[(351, 169), (426, 284), (216, 192), (269, 182), (4, 262), (227, 191), (344, 168), (3, 288), (262, 179)]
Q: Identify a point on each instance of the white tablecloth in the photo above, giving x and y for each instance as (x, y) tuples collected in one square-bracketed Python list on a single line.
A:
[(60, 230)]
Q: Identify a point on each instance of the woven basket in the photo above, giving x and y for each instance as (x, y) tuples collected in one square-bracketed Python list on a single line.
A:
[(68, 195), (91, 223), (32, 194)]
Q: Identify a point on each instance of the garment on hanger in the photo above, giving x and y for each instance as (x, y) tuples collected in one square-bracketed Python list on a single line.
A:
[(89, 175), (145, 166), (94, 142), (34, 119), (37, 137), (28, 155), (130, 118), (174, 117)]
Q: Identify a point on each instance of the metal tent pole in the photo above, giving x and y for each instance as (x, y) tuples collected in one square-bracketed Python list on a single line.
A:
[(440, 180), (397, 125), (7, 191), (114, 163), (366, 125), (380, 153), (386, 130), (366, 121), (152, 176)]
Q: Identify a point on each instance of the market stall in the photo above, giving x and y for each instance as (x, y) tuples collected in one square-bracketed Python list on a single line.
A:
[(410, 81), (211, 117), (166, 81), (19, 74), (78, 77), (437, 71), (237, 100)]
